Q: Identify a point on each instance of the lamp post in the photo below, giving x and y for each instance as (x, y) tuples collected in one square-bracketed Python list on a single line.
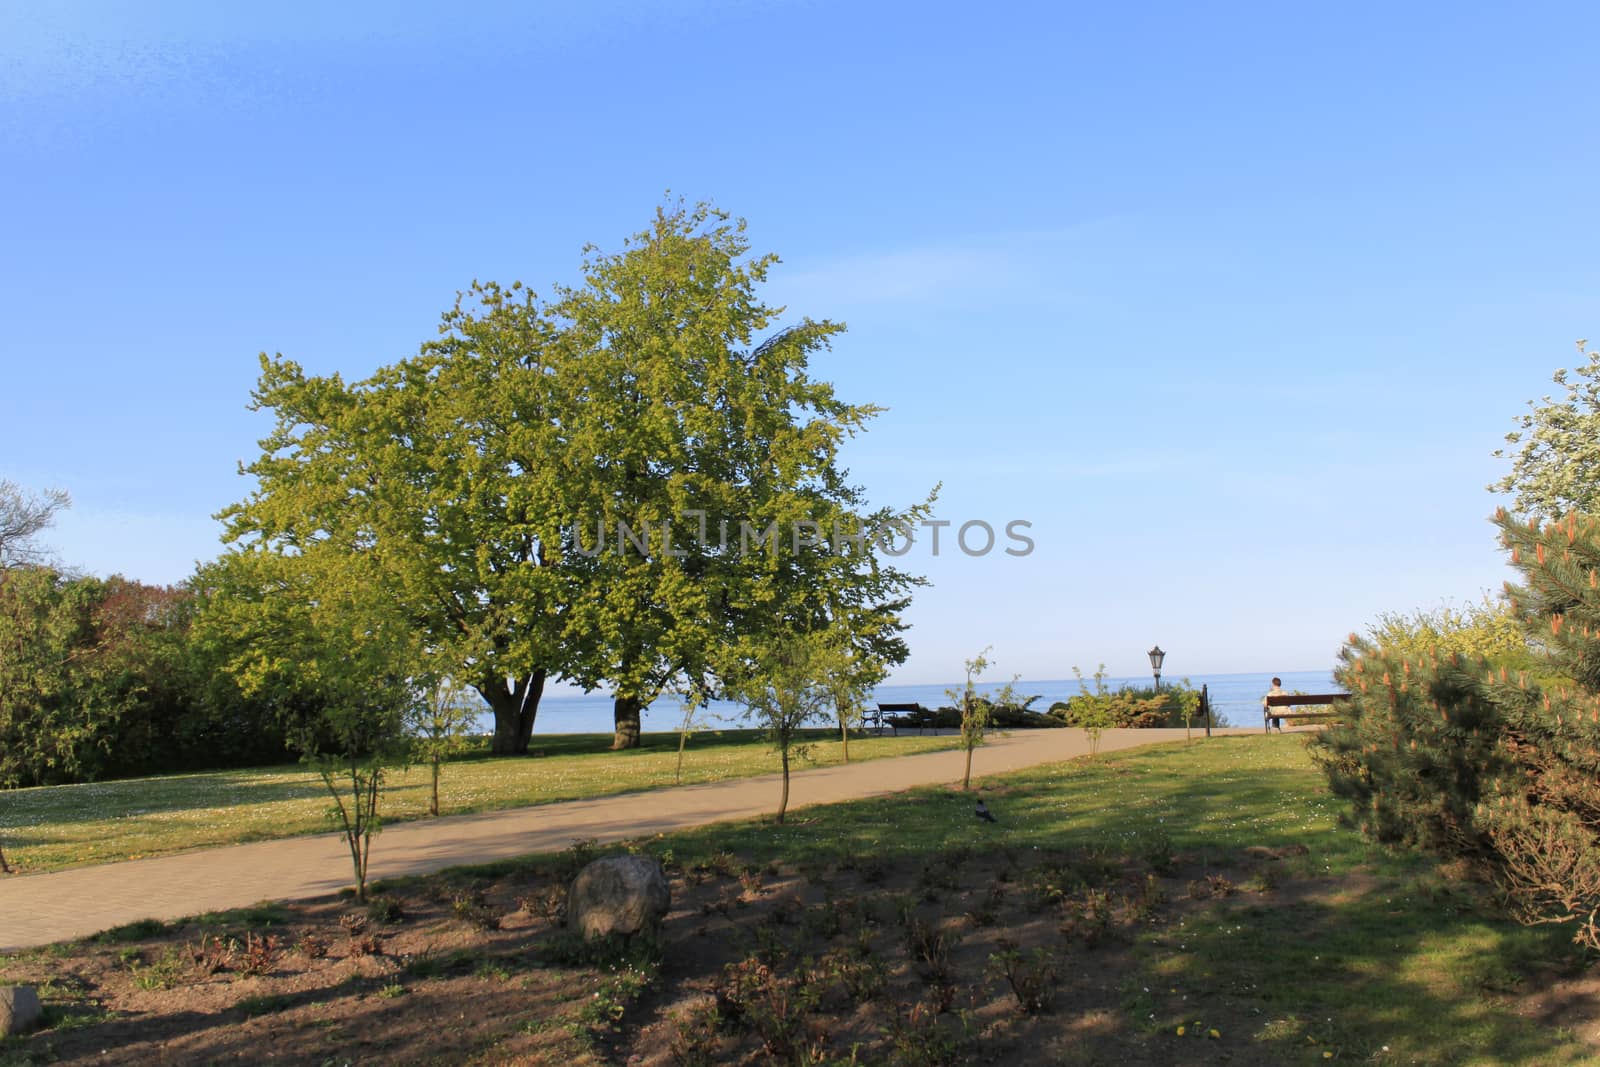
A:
[(1156, 656)]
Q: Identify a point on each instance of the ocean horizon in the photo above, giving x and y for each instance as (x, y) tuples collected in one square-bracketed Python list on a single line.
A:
[(1236, 697)]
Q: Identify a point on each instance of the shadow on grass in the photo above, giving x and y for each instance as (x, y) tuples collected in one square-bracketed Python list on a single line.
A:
[(1380, 976)]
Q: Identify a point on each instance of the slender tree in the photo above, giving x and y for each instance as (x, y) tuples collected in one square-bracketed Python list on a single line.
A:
[(977, 709), (438, 725), (785, 690), (321, 623), (849, 675)]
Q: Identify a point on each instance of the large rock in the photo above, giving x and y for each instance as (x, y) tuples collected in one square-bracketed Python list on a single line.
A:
[(618, 895), (19, 1009)]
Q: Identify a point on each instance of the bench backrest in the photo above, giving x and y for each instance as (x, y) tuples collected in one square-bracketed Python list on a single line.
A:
[(1290, 700)]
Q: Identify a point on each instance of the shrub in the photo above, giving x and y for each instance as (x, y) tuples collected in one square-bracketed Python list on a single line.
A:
[(472, 907), (751, 995), (862, 974), (386, 910), (212, 954), (1464, 742), (259, 954), (920, 1040), (1033, 978), (695, 1038)]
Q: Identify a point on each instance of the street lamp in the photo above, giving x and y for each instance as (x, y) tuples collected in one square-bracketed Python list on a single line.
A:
[(1156, 656)]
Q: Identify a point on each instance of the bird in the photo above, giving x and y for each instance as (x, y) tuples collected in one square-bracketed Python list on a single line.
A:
[(982, 812)]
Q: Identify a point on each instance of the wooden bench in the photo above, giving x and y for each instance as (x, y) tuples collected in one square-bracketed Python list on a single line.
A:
[(1273, 704), (885, 711)]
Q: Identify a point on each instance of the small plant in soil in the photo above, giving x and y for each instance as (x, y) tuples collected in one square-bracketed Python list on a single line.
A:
[(312, 946), (1033, 978), (385, 910), (364, 945), (1088, 918), (930, 948), (164, 973), (603, 1012), (1212, 885), (696, 1038), (753, 996), (920, 1040), (861, 975), (212, 954), (472, 908), (1267, 878), (259, 954), (548, 903)]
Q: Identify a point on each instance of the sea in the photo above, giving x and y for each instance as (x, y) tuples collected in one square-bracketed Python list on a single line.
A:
[(1236, 697)]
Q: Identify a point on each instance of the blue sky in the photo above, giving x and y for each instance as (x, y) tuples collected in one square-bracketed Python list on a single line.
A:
[(1231, 302)]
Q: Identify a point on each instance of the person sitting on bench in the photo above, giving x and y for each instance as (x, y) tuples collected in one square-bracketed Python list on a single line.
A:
[(1275, 691)]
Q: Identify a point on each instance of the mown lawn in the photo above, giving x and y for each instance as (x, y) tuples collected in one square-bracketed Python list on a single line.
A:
[(61, 826)]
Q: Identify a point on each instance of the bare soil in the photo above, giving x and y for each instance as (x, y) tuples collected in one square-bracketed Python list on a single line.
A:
[(860, 962)]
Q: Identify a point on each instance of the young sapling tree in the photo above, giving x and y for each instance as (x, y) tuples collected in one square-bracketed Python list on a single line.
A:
[(438, 725), (785, 689), (977, 709), (695, 718)]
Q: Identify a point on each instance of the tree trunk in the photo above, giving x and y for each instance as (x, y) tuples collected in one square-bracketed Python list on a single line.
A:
[(5, 868), (433, 805), (514, 712), (626, 711), (844, 734), (966, 778), (783, 802)]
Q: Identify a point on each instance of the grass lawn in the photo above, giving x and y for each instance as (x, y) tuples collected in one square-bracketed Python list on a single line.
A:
[(1180, 904), (61, 826), (1138, 885)]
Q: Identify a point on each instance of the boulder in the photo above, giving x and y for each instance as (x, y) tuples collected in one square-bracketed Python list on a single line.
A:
[(618, 895), (19, 1009)]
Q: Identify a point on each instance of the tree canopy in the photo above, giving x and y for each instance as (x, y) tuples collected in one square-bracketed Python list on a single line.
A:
[(562, 488), (23, 516), (1555, 450)]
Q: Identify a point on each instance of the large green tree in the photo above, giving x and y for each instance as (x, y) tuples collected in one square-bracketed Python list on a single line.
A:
[(439, 475), (707, 437), (488, 479)]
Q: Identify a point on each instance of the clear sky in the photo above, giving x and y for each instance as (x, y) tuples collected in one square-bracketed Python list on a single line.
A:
[(1231, 302)]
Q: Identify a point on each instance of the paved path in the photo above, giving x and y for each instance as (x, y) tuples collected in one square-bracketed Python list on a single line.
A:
[(38, 909)]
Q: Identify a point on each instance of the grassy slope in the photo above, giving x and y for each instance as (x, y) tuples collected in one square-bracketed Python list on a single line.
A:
[(60, 826), (1365, 954)]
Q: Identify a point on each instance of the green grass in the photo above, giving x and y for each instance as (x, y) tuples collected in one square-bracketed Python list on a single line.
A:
[(63, 826), (1364, 954)]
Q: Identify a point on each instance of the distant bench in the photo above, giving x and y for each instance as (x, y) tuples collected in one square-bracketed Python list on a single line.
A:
[(1271, 707), (896, 716)]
